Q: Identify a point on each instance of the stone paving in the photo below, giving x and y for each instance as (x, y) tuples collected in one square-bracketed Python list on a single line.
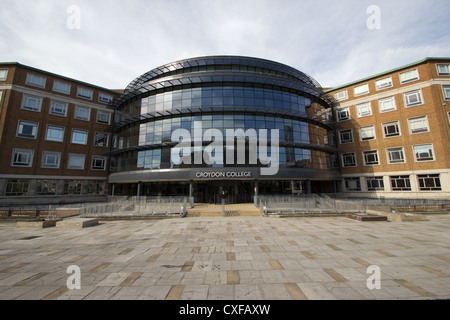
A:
[(237, 258)]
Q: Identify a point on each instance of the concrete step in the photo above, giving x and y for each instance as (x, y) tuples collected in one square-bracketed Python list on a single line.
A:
[(232, 210)]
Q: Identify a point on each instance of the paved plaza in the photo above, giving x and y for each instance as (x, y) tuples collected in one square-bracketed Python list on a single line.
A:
[(236, 258)]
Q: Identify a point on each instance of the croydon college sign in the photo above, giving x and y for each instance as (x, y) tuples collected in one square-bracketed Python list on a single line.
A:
[(214, 154)]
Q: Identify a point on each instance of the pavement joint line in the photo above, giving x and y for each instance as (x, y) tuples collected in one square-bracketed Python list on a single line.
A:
[(434, 271), (362, 262), (76, 259), (31, 279), (388, 254), (17, 266), (411, 286), (100, 267), (332, 246), (56, 294), (131, 279), (335, 275), (124, 252)]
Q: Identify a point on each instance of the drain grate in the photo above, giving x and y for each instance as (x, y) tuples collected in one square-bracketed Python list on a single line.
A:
[(30, 238)]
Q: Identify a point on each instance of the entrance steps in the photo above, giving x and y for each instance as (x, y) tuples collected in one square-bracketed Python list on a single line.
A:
[(231, 210)]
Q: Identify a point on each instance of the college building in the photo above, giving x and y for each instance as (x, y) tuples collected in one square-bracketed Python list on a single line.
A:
[(225, 126)]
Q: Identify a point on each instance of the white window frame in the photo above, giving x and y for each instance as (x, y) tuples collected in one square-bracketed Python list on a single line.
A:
[(367, 154), (105, 98), (446, 72), (371, 180), (341, 95), (76, 157), (51, 165), (367, 128), (28, 153), (35, 80), (361, 90), (85, 93), (406, 179), (364, 109), (349, 155), (384, 83), (399, 150), (345, 111), (98, 158), (101, 114), (79, 116), (3, 74), (417, 94), (391, 123), (346, 131), (430, 152), (434, 177), (409, 76), (56, 105), (61, 87), (58, 129), (446, 92), (387, 99), (420, 122), (76, 133), (36, 101), (23, 123)]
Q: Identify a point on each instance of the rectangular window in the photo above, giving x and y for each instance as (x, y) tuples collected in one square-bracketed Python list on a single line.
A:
[(446, 90), (418, 125), (400, 183), (391, 129), (395, 155), (353, 184), (409, 76), (104, 98), (84, 93), (96, 187), (367, 133), (364, 110), (58, 108), (22, 158), (423, 152), (55, 133), (61, 87), (387, 104), (76, 161), (362, 89), (3, 74), (17, 187), (383, 83), (27, 129), (35, 80), (341, 95), (343, 114), (72, 187), (413, 98), (82, 113), (429, 182), (31, 103), (375, 183), (371, 157), (443, 69), (79, 136), (103, 117), (51, 160), (98, 163), (46, 187), (349, 159), (101, 139), (346, 136)]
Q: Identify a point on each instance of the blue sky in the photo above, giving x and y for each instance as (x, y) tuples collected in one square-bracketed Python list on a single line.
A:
[(119, 40)]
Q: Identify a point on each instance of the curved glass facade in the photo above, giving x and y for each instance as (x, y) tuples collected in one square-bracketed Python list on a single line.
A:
[(204, 99)]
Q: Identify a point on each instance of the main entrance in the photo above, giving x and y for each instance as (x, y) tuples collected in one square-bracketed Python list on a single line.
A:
[(232, 191)]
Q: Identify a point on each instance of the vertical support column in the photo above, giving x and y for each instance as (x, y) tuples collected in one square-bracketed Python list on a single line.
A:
[(113, 189), (191, 193), (139, 188), (255, 200), (308, 187)]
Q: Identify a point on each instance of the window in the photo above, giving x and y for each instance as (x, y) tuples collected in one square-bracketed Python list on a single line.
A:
[(387, 104), (51, 160), (446, 90), (371, 157), (409, 76), (104, 98), (423, 152), (349, 159), (31, 103), (3, 74), (353, 184), (418, 125), (364, 110), (98, 163), (35, 80), (341, 95), (362, 89), (22, 158), (82, 113), (72, 187), (383, 83), (101, 139), (58, 108), (27, 129), (413, 98), (17, 187), (346, 136), (400, 183), (395, 155), (391, 129), (76, 161), (429, 182), (46, 187), (375, 183), (367, 133), (61, 87), (96, 187), (103, 117), (443, 69), (84, 93), (79, 136), (343, 114), (55, 133)]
